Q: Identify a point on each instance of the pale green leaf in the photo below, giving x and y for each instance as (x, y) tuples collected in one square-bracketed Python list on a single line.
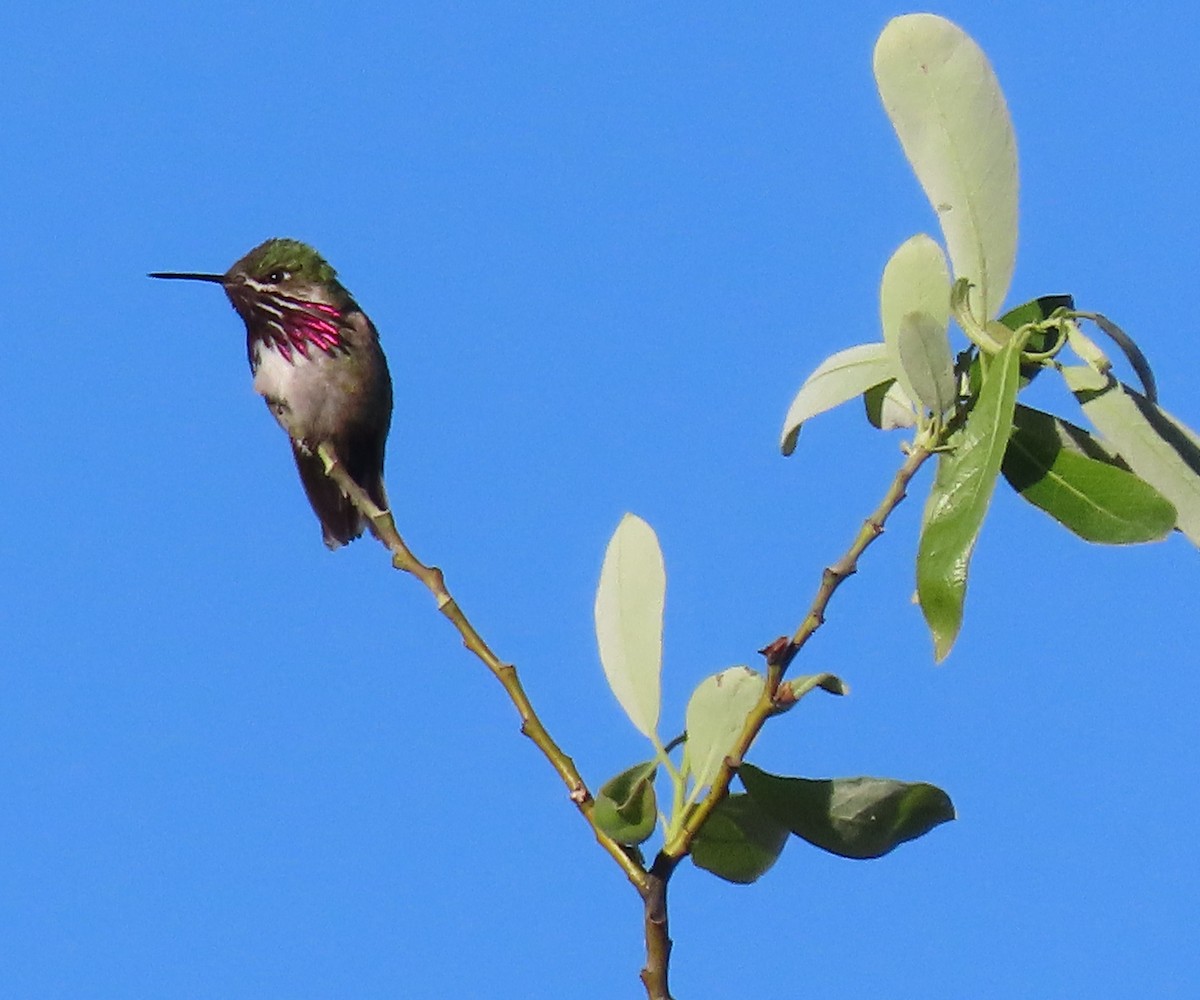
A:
[(926, 362), (889, 407), (629, 621), (1138, 360), (839, 377), (792, 690), (1153, 443), (800, 686), (716, 715), (915, 280), (949, 113)]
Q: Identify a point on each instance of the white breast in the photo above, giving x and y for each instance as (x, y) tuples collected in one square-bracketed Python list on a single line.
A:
[(293, 389), (274, 376)]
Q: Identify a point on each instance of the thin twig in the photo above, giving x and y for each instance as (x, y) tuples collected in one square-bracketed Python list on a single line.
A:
[(781, 652), (384, 528), (834, 576), (651, 885)]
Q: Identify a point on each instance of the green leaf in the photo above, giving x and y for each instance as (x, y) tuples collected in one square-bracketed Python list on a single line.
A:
[(625, 806), (915, 280), (795, 688), (1072, 437), (852, 817), (1035, 311), (958, 502), (1157, 447), (949, 113), (889, 407), (840, 377), (739, 841), (629, 621), (1093, 498), (716, 715), (800, 686), (925, 359)]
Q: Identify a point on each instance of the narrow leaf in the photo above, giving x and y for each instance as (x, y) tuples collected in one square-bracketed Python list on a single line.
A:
[(1155, 445), (629, 621), (792, 690), (959, 499), (1137, 360), (840, 377), (800, 686), (625, 807), (740, 841), (926, 362), (716, 715), (853, 817), (949, 113), (1093, 498), (915, 280)]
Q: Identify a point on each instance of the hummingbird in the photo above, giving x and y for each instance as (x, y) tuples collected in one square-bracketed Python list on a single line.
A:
[(316, 360)]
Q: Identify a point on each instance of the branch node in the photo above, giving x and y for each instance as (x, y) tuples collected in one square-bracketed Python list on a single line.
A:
[(783, 698), (777, 650)]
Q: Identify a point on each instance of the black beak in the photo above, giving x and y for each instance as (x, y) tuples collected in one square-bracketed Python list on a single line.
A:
[(218, 279)]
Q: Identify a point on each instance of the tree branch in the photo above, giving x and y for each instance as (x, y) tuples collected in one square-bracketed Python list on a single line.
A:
[(781, 652), (651, 885), (384, 528), (658, 940)]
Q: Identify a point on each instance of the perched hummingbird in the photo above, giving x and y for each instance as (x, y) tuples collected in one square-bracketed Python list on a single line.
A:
[(316, 360)]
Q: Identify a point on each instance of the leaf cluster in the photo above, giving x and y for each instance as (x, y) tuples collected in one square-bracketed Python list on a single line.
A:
[(1134, 478), (737, 836), (949, 369)]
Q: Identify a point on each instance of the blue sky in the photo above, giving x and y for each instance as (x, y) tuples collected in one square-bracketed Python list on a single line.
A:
[(603, 244)]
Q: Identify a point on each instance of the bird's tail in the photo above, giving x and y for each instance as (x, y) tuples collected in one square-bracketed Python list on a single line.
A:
[(341, 521)]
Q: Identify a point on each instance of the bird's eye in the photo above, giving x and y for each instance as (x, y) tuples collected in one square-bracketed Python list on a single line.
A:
[(278, 277)]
